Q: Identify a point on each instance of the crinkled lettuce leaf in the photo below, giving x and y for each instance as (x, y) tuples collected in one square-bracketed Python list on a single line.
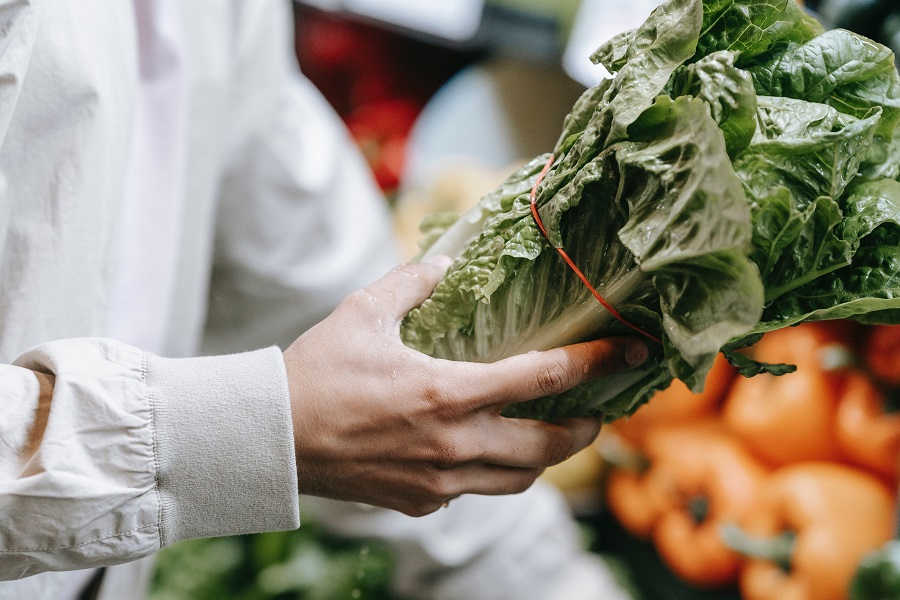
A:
[(728, 90), (851, 73), (754, 29)]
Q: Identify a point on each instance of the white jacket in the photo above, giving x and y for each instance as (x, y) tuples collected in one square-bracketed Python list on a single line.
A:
[(130, 451)]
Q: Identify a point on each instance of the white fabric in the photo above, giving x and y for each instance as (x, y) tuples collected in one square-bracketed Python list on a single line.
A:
[(482, 548), (139, 451), (586, 576), (142, 293)]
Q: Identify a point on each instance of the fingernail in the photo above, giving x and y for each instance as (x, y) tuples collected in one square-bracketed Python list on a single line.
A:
[(635, 352), (439, 260)]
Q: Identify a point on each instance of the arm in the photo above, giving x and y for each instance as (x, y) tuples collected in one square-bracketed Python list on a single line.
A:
[(110, 453), (106, 453)]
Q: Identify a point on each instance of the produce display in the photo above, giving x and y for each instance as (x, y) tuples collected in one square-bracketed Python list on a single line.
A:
[(771, 506), (813, 525), (784, 419), (737, 175), (696, 481)]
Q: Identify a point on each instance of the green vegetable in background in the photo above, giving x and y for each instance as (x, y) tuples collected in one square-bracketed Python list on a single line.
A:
[(736, 175), (878, 575), (306, 564)]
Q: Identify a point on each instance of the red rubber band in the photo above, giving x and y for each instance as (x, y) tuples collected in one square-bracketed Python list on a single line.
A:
[(565, 257)]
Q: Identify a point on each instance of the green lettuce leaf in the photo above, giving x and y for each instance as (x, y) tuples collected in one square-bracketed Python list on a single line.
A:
[(870, 283), (754, 29), (848, 72), (803, 157), (729, 91)]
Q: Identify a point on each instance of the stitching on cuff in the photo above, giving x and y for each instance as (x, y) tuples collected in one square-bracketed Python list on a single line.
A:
[(151, 398), (97, 539)]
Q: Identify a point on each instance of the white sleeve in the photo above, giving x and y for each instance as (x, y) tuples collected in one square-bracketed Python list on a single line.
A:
[(120, 453)]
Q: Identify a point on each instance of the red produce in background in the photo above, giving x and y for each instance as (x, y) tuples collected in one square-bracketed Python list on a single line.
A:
[(377, 80), (882, 353)]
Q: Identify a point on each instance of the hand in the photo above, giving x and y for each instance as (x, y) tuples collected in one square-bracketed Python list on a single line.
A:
[(379, 423)]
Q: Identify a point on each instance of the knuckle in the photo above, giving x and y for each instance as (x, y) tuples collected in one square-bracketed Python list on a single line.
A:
[(449, 452), (434, 394), (362, 300), (441, 395), (553, 378), (440, 486)]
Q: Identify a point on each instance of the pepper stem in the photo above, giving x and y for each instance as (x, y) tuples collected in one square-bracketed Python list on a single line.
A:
[(778, 549), (698, 507), (835, 357)]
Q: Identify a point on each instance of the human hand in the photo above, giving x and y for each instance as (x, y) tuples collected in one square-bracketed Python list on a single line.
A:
[(383, 424)]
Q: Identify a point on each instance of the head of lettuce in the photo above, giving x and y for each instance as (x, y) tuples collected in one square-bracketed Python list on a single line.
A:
[(736, 174)]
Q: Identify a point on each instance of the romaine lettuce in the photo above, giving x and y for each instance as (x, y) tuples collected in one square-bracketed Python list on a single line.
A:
[(735, 175)]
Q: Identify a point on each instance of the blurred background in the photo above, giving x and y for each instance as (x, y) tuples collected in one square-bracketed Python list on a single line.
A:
[(445, 99)]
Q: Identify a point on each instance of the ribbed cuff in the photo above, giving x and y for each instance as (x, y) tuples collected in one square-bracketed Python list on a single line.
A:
[(224, 445)]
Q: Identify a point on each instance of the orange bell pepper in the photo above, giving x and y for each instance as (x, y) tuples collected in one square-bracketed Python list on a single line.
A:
[(697, 480), (867, 434), (631, 501), (881, 353), (629, 497), (813, 524), (678, 404), (790, 418)]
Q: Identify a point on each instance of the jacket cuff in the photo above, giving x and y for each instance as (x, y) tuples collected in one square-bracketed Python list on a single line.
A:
[(224, 443)]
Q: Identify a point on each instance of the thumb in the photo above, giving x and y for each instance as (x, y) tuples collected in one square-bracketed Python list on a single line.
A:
[(406, 286)]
